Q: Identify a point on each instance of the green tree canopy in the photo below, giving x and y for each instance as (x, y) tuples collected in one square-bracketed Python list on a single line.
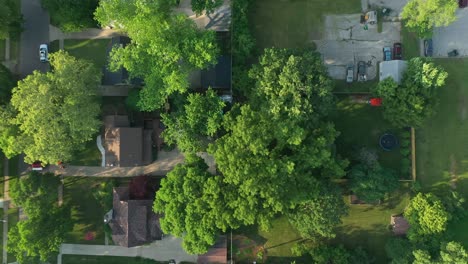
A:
[(278, 146), (427, 217), (7, 82), (71, 15), (194, 204), (40, 235), (423, 15), (56, 112), (371, 183), (326, 254), (410, 103), (320, 215), (10, 19), (201, 118), (399, 250), (198, 6), (165, 47)]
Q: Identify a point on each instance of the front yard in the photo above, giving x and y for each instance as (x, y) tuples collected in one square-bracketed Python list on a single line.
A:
[(94, 50), (441, 143)]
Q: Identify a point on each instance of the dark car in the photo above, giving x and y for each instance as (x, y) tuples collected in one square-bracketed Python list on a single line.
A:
[(387, 54), (397, 51), (428, 47), (462, 3), (362, 76)]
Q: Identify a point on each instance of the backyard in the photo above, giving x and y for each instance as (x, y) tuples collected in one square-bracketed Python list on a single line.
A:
[(442, 155), (361, 126), (89, 156), (273, 26)]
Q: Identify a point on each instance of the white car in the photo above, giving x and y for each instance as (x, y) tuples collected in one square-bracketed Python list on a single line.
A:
[(350, 73), (43, 53)]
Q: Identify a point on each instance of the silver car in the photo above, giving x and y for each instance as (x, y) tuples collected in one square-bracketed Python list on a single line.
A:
[(43, 53), (350, 73)]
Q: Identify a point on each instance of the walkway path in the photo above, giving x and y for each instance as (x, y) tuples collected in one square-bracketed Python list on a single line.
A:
[(162, 250), (166, 161), (90, 33)]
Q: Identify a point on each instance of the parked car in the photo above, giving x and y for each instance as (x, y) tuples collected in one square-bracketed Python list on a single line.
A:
[(428, 47), (43, 53), (371, 17), (362, 76), (387, 54), (453, 53), (462, 3), (37, 166), (350, 73), (397, 51)]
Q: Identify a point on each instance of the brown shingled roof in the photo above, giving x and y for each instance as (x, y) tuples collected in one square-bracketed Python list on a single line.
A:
[(216, 254), (134, 223)]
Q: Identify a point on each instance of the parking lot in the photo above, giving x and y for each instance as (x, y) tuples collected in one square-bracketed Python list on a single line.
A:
[(347, 42), (454, 36)]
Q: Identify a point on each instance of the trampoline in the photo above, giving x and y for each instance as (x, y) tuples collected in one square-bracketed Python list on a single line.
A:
[(388, 141)]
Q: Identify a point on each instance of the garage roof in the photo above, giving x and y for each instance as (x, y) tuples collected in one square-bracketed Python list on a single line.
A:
[(394, 69)]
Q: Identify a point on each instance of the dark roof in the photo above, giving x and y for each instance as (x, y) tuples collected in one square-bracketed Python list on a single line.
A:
[(218, 76), (125, 146), (399, 225), (134, 223), (216, 254)]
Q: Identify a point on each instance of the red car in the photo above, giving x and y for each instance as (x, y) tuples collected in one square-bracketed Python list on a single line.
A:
[(462, 3), (397, 51)]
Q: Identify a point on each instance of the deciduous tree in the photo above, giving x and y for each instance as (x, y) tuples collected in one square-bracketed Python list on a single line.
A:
[(195, 205), (201, 118), (198, 6), (279, 145), (423, 15), (7, 82), (165, 47), (427, 217), (411, 102), (40, 235), (371, 183), (11, 19), (71, 15), (56, 112)]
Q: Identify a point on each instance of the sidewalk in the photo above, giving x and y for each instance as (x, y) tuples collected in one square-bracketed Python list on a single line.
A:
[(161, 250)]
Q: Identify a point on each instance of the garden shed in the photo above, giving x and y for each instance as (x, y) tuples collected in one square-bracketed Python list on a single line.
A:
[(399, 225)]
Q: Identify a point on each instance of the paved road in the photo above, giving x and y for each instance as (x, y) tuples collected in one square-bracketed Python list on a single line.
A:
[(36, 32)]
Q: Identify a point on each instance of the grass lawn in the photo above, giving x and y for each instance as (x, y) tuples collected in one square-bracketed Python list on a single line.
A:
[(361, 125), (341, 86), (441, 143), (94, 50), (367, 225), (410, 43), (90, 156), (87, 212), (273, 24), (79, 259)]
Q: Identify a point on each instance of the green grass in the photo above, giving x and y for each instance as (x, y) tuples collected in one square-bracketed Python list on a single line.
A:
[(341, 86), (1, 175), (78, 259), (410, 43), (294, 23), (87, 212), (90, 156), (367, 225), (441, 143), (361, 125), (94, 50)]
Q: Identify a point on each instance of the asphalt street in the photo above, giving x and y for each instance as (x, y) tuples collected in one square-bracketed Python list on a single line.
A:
[(36, 32)]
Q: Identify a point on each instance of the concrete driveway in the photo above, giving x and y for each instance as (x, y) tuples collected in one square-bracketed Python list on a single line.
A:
[(454, 36), (36, 32), (346, 42)]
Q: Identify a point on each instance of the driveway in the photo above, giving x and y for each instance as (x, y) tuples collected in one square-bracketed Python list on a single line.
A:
[(162, 250), (347, 42), (36, 32), (454, 36)]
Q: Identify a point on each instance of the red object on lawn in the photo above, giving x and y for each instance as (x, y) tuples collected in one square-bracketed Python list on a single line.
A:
[(375, 101), (90, 236)]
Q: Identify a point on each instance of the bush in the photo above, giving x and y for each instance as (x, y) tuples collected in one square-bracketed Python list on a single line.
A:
[(243, 43), (405, 143), (405, 166), (405, 152)]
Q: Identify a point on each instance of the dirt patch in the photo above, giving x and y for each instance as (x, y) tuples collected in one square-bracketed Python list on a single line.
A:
[(247, 250)]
